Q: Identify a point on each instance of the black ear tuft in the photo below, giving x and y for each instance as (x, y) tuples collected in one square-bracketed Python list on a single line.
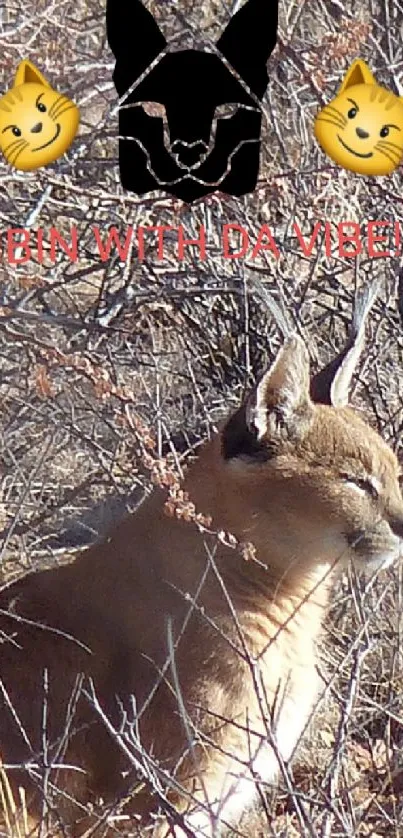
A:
[(249, 40), (134, 38)]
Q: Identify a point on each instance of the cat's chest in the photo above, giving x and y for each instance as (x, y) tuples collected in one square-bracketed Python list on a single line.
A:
[(280, 697), (282, 721), (274, 717)]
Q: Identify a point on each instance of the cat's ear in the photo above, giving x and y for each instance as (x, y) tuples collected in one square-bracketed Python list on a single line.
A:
[(331, 385), (134, 38), (357, 73), (249, 40), (279, 407), (28, 73)]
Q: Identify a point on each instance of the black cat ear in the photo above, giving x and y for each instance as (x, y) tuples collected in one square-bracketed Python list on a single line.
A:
[(134, 38), (249, 40)]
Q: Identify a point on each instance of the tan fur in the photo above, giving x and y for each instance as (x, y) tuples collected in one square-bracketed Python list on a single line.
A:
[(241, 682)]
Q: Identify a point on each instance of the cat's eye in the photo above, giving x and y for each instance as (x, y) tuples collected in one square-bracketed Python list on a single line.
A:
[(226, 111), (352, 113), (16, 131), (365, 484), (41, 107), (155, 109), (385, 130)]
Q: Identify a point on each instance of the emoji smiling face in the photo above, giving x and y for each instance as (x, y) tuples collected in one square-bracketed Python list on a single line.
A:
[(37, 124), (362, 128)]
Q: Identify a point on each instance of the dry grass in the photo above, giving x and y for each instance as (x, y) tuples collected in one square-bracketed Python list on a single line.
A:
[(92, 352)]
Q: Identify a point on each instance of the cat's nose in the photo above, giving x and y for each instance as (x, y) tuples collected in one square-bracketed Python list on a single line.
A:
[(363, 135), (396, 525), (37, 128), (188, 155)]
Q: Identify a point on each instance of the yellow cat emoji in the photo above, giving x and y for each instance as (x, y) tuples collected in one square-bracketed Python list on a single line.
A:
[(37, 124), (361, 129)]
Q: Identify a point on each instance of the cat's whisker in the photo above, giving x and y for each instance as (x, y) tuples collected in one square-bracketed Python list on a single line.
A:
[(389, 144), (335, 111), (21, 143), (62, 111), (395, 151), (10, 157), (13, 145), (19, 151), (67, 107), (331, 116), (336, 116), (329, 121), (390, 155), (55, 104)]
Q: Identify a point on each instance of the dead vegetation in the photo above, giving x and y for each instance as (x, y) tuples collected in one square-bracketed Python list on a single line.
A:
[(112, 371)]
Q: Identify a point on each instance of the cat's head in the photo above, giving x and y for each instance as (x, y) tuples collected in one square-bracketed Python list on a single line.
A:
[(189, 121), (304, 475), (37, 124), (361, 129)]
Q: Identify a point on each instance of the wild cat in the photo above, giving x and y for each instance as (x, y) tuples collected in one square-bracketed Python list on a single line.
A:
[(37, 124), (167, 655), (362, 127)]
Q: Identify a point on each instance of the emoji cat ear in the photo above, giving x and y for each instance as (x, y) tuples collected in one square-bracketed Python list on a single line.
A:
[(358, 73), (27, 72), (248, 41)]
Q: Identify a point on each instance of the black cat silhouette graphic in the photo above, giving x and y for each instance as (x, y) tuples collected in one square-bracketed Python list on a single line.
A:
[(190, 121)]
